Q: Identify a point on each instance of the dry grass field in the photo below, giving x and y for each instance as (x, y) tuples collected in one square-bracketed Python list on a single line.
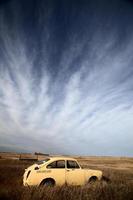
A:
[(119, 170)]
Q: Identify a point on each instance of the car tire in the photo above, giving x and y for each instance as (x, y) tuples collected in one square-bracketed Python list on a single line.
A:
[(93, 179), (48, 183)]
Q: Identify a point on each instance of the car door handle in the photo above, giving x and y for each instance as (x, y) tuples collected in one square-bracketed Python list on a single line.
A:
[(68, 170)]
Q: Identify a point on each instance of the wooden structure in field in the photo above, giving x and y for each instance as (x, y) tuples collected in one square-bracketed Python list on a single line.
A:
[(28, 157)]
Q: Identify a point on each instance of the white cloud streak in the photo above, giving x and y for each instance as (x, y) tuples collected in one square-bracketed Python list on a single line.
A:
[(89, 113)]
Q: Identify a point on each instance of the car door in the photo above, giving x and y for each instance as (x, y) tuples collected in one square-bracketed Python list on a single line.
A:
[(57, 171), (74, 174)]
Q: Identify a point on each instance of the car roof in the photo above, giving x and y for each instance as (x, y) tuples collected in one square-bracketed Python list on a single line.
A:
[(61, 158)]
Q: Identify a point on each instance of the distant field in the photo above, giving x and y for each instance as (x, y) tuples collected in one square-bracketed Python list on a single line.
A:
[(119, 170)]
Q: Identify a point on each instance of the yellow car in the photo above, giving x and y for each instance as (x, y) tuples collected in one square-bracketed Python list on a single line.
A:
[(59, 171)]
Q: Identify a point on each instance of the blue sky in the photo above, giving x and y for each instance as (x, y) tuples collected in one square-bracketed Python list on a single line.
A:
[(66, 76)]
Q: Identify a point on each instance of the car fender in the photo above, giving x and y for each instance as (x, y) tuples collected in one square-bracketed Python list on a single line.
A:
[(92, 173)]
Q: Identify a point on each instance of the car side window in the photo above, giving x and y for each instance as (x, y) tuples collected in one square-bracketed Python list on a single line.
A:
[(60, 164), (72, 164), (56, 164), (52, 165)]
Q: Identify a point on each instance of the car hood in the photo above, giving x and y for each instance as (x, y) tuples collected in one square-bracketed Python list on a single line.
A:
[(32, 167)]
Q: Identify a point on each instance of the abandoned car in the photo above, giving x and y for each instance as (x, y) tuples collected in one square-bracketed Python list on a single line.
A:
[(59, 171)]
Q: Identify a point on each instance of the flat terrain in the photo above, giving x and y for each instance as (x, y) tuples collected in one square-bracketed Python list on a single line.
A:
[(119, 170)]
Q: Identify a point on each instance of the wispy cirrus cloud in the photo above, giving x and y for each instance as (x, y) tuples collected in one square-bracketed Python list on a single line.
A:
[(86, 108)]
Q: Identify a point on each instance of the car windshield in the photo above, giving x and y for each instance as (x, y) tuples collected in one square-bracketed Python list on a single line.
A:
[(43, 161)]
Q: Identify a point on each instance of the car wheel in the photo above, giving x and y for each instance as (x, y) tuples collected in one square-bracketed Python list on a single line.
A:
[(48, 183), (93, 179)]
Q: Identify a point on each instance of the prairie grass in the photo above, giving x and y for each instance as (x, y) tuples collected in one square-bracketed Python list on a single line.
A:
[(11, 188)]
